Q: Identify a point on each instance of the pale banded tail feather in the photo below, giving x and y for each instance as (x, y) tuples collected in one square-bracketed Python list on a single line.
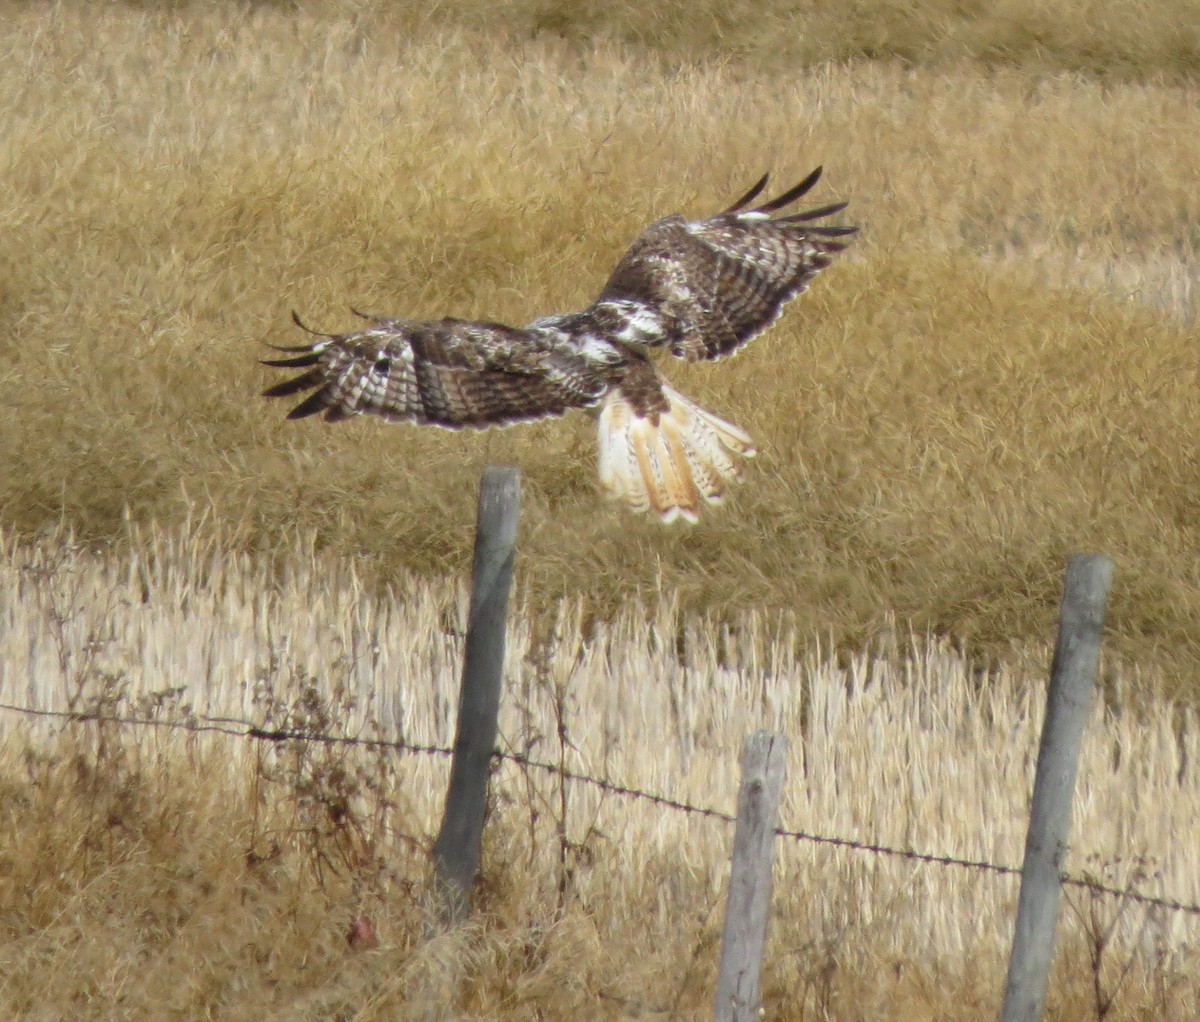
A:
[(671, 465)]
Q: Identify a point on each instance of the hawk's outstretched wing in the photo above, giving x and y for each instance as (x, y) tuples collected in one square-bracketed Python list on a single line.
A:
[(715, 284), (450, 373)]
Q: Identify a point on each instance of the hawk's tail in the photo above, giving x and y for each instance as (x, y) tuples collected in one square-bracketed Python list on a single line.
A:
[(668, 466)]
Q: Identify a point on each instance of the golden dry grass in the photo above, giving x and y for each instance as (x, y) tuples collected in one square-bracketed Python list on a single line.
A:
[(150, 874), (1001, 372), (1094, 37)]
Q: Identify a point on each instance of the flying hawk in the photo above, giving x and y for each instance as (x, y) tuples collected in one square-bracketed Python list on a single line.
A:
[(700, 288)]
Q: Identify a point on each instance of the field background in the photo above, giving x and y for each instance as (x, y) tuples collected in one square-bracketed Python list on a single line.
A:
[(1001, 371)]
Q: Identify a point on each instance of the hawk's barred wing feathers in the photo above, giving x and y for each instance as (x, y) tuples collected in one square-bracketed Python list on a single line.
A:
[(718, 283), (450, 373)]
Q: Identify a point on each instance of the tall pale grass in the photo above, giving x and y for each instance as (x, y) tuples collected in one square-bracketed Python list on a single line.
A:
[(922, 750)]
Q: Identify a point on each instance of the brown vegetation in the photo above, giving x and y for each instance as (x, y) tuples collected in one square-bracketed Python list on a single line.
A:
[(154, 873)]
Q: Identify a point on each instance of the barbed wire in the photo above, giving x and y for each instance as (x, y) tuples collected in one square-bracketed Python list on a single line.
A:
[(237, 728), (612, 788), (852, 844)]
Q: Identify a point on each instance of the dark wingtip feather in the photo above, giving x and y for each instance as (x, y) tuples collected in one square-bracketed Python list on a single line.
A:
[(306, 328), (295, 384), (750, 196), (833, 232), (312, 404), (813, 214), (310, 358), (792, 194), (291, 349)]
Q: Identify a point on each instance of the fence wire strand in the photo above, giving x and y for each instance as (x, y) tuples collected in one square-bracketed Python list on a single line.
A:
[(238, 728)]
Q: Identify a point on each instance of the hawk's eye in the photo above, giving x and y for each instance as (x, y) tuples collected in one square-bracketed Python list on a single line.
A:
[(383, 365)]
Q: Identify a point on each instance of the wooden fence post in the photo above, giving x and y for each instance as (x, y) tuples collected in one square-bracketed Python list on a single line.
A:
[(764, 757), (456, 851), (1072, 678)]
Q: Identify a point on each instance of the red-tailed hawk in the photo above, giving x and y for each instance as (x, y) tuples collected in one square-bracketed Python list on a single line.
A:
[(700, 288)]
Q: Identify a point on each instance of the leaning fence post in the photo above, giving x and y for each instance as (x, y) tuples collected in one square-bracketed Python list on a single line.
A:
[(456, 851), (745, 932), (1072, 677)]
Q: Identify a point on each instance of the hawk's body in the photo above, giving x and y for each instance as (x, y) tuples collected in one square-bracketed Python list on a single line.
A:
[(702, 289)]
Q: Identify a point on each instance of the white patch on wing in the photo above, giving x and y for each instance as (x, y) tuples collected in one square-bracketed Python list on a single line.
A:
[(676, 279), (552, 328), (639, 323), (598, 349)]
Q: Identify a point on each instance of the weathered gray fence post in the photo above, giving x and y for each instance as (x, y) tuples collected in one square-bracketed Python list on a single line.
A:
[(1072, 678), (764, 757), (456, 851)]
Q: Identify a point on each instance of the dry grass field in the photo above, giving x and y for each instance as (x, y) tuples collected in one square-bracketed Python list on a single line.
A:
[(149, 874), (1001, 371)]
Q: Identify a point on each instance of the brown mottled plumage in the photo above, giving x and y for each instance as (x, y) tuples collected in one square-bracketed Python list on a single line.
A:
[(700, 288)]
